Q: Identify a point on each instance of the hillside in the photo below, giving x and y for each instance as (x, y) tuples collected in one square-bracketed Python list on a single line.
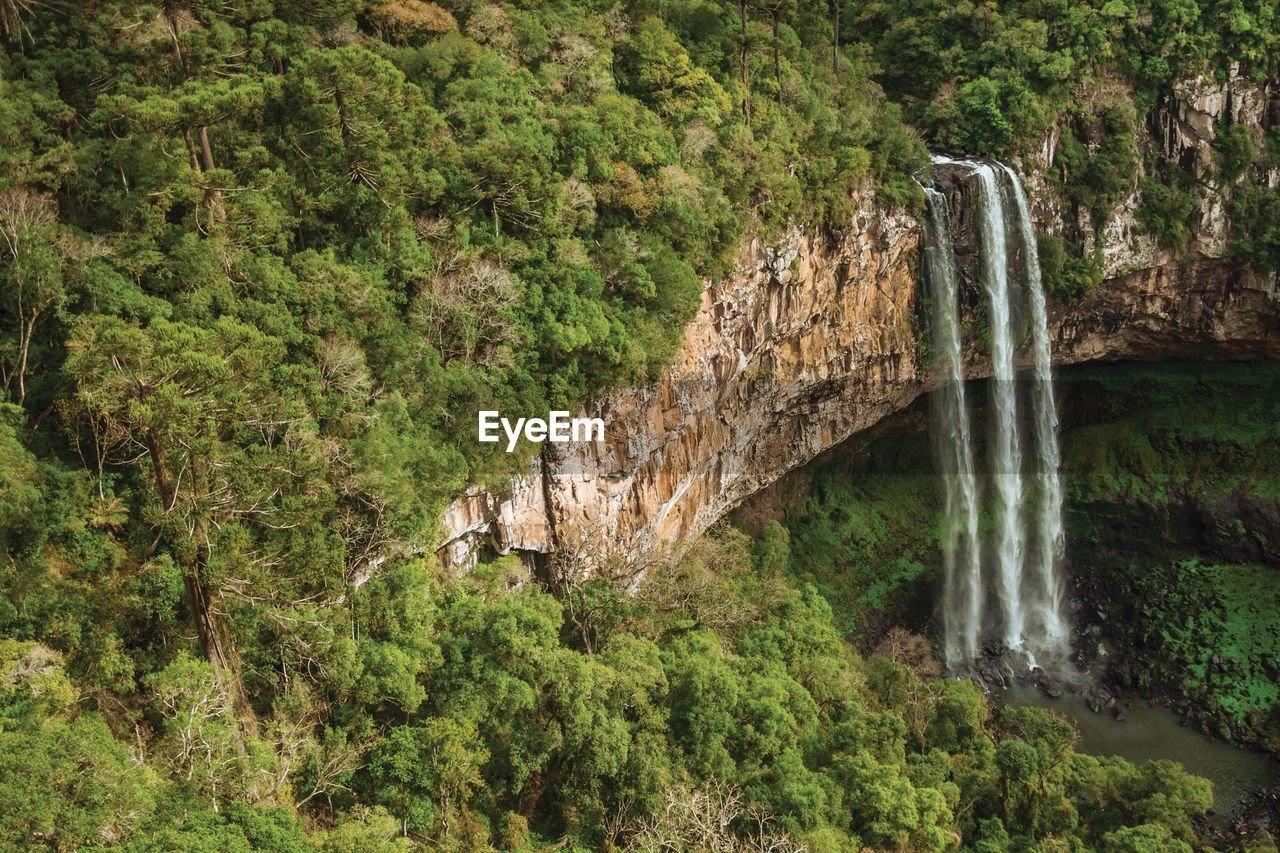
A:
[(261, 264)]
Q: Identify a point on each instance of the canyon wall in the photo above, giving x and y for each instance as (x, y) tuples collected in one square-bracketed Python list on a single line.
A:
[(816, 336)]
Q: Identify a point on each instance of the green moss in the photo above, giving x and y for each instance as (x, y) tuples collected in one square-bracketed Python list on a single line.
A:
[(1206, 430), (1211, 633), (1157, 465), (868, 533)]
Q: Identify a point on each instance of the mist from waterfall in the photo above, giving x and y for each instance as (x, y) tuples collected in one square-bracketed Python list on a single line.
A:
[(1006, 589)]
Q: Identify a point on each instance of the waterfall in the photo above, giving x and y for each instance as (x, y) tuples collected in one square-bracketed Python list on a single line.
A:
[(961, 554), (1006, 464), (1046, 587), (1024, 553)]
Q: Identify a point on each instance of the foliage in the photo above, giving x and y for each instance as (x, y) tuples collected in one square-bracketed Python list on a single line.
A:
[(985, 115), (1170, 472), (867, 532), (1211, 627), (1255, 211), (1185, 454), (1065, 275), (988, 79), (1096, 166), (1165, 211), (258, 261), (522, 732), (255, 260)]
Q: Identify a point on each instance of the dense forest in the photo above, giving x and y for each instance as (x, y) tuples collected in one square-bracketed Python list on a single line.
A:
[(261, 261)]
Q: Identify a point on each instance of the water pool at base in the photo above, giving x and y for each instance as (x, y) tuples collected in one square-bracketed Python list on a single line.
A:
[(1149, 733)]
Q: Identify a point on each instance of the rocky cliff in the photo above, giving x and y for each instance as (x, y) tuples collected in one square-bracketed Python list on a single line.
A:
[(816, 336), (811, 340)]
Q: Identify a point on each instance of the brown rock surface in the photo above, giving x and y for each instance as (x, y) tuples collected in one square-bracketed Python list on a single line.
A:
[(809, 342)]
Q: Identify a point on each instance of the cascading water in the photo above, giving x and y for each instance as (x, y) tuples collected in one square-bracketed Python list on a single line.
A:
[(1046, 586), (1006, 462), (1028, 615), (962, 552)]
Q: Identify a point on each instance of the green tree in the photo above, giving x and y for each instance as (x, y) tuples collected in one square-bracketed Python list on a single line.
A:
[(424, 773), (203, 408), (69, 785)]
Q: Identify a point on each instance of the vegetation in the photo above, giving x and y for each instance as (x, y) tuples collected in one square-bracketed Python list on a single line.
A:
[(1173, 485), (1140, 442), (257, 263), (481, 718), (1000, 79), (987, 78), (1166, 211), (866, 532), (1066, 275), (1189, 455), (1212, 628)]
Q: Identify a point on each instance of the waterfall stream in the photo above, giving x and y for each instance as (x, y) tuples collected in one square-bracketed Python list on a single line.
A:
[(962, 552), (1018, 567), (1046, 587), (1006, 456)]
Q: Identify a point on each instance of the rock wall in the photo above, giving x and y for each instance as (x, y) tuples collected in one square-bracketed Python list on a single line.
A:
[(816, 337), (811, 340), (1180, 129)]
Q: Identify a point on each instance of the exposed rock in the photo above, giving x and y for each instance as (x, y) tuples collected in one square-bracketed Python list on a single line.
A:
[(516, 519), (816, 337), (811, 341), (1180, 129), (1202, 309)]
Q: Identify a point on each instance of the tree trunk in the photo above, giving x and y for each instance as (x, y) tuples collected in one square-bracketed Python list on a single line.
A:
[(215, 636), (205, 150), (343, 128), (26, 331), (213, 196), (211, 627), (191, 150), (835, 39), (746, 74), (159, 464)]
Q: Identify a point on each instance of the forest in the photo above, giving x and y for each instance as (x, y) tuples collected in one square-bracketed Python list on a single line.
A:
[(261, 261)]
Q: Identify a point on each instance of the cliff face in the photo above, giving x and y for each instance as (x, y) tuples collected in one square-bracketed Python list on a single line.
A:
[(817, 337), (811, 340), (1179, 130)]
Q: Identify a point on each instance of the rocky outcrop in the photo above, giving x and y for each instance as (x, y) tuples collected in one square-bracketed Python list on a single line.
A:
[(816, 337), (811, 340), (1204, 309), (1181, 130)]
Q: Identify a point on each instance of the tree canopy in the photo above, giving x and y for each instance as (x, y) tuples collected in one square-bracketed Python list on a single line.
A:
[(260, 260)]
